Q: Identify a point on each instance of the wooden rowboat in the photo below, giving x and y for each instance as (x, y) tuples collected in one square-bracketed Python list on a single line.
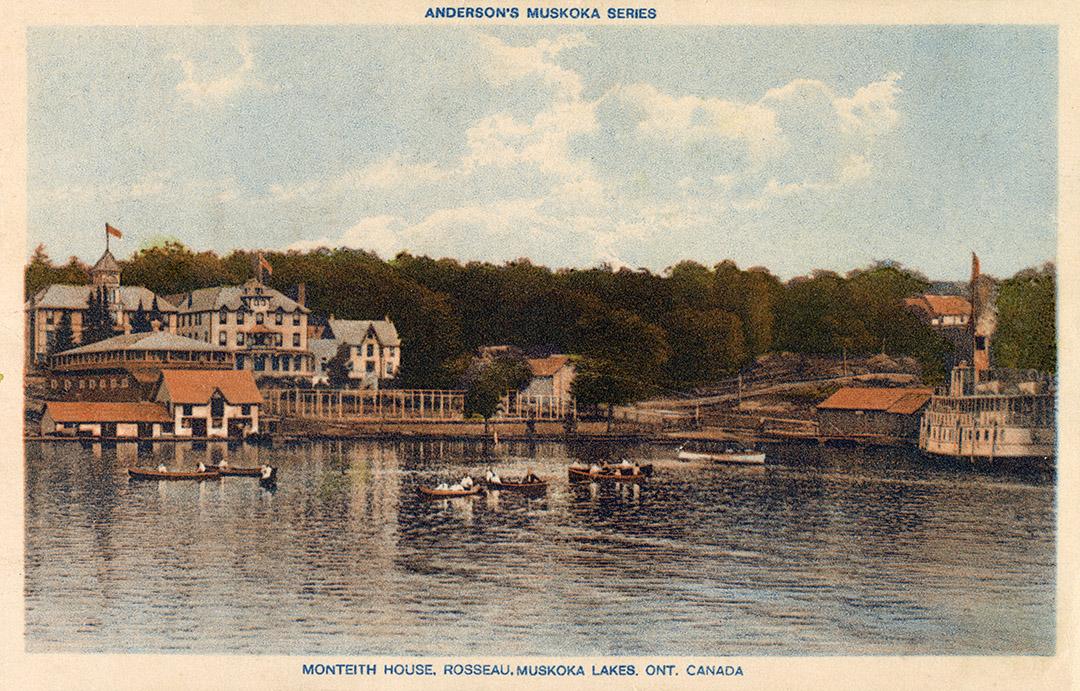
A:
[(238, 472), (606, 474), (152, 474), (445, 493), (512, 485)]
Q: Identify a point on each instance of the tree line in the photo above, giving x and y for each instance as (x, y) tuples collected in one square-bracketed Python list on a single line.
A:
[(637, 332)]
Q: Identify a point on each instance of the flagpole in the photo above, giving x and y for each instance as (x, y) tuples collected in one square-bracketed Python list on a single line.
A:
[(106, 237)]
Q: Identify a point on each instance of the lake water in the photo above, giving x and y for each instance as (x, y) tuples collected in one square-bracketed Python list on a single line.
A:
[(822, 551)]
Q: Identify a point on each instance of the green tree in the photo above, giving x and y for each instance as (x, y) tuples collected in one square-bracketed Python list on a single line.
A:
[(602, 382), (140, 320), (64, 337), (337, 368), (1026, 336), (706, 345), (97, 321)]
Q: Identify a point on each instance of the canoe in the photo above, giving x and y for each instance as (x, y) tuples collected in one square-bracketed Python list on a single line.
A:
[(748, 457), (432, 492), (152, 474), (606, 474), (518, 486), (238, 472)]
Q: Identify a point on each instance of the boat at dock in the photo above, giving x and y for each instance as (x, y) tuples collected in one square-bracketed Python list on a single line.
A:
[(744, 456), (153, 474), (991, 414)]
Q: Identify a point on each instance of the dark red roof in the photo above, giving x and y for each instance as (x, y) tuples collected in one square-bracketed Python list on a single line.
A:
[(940, 305), (900, 401)]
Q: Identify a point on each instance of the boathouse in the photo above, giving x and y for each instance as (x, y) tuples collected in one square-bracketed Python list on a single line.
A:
[(210, 403), (110, 419), (866, 412)]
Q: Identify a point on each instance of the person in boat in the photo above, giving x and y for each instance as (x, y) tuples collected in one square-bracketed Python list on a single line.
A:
[(456, 487), (202, 467), (492, 476), (224, 464), (161, 468), (594, 469), (466, 482), (530, 477), (442, 487), (266, 471)]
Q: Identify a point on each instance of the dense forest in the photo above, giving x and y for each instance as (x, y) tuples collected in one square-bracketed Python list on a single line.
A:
[(638, 332)]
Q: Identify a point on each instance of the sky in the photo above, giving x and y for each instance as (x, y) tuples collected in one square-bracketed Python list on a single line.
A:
[(793, 148)]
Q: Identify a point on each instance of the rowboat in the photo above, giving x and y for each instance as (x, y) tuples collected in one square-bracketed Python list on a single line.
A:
[(748, 457), (152, 474), (230, 471), (608, 473), (538, 486), (443, 493)]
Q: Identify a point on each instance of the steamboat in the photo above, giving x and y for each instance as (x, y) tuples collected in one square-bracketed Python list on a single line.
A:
[(991, 414)]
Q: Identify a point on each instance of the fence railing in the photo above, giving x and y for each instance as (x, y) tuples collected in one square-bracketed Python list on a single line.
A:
[(415, 404)]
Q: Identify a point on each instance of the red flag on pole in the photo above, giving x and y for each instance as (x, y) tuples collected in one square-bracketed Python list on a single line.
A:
[(263, 264), (113, 231)]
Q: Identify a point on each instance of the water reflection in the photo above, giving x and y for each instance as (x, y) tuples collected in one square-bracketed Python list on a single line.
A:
[(821, 551)]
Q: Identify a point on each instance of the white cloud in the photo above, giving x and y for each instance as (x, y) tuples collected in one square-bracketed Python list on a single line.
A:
[(522, 187), (693, 119), (216, 89)]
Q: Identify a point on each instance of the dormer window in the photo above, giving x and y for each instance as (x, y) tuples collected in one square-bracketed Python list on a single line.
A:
[(240, 317), (258, 317), (279, 317)]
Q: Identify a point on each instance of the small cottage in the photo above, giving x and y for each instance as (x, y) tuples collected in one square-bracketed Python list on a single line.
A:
[(210, 403)]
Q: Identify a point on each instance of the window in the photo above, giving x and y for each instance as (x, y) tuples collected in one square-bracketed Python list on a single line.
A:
[(48, 317), (389, 368), (223, 338), (980, 343), (223, 316), (186, 409), (279, 317), (217, 406), (296, 319), (370, 366), (296, 340), (258, 317), (298, 362), (285, 362), (124, 383), (370, 349), (245, 409), (240, 317), (239, 338), (260, 363)]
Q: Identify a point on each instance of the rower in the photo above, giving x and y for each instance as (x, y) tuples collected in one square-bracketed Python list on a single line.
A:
[(266, 472), (442, 487), (530, 477), (466, 482), (224, 463), (161, 468), (594, 469), (202, 467)]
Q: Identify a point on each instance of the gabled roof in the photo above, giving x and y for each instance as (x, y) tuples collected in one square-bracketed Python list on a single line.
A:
[(940, 305), (60, 296), (899, 400), (197, 386), (152, 340), (323, 348), (86, 411), (354, 331), (106, 263), (548, 366), (231, 297)]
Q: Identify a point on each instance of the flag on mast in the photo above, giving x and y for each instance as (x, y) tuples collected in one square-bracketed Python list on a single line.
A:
[(265, 265), (109, 230)]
